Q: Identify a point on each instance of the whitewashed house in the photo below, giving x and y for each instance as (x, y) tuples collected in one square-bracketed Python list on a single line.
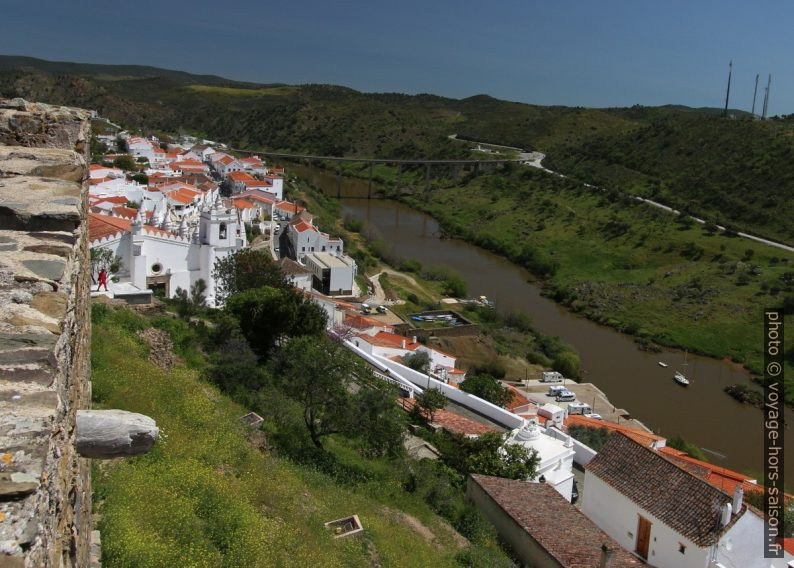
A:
[(556, 456), (668, 516)]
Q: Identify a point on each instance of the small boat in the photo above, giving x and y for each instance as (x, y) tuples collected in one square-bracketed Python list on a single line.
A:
[(662, 364), (681, 379)]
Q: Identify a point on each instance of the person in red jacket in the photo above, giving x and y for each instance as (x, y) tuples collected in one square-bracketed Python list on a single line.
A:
[(103, 280)]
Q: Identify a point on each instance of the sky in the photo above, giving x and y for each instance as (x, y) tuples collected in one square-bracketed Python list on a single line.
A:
[(565, 52)]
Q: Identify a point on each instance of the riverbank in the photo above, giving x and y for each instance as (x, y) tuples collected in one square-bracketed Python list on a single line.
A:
[(665, 281), (701, 413)]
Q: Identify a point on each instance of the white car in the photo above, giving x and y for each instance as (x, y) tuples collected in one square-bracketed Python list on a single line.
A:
[(594, 416)]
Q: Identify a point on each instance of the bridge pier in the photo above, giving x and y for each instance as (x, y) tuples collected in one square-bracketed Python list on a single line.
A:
[(339, 186), (399, 177), (369, 188), (427, 178), (477, 168)]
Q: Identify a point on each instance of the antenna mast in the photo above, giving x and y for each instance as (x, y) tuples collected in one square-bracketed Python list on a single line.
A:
[(766, 96), (728, 93), (755, 92)]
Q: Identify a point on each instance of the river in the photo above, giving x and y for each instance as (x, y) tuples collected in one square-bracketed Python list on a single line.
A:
[(730, 433)]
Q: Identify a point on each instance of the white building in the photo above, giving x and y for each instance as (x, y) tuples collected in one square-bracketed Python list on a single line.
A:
[(667, 515), (304, 238), (333, 274), (298, 275), (173, 257), (556, 456)]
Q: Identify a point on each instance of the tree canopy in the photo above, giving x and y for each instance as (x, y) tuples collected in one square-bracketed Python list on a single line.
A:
[(339, 394)]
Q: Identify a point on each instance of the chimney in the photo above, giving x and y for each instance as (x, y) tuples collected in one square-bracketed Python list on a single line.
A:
[(403, 344), (413, 339), (606, 556), (738, 497), (726, 514), (569, 442)]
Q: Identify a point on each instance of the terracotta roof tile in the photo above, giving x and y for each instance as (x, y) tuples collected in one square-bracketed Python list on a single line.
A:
[(682, 501), (101, 226), (557, 526), (640, 436)]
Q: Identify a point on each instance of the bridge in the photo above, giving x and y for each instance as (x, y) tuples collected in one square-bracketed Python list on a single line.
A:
[(476, 165)]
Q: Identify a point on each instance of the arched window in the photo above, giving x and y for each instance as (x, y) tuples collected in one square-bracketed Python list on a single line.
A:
[(222, 231)]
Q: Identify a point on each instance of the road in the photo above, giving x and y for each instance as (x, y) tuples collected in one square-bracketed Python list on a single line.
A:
[(535, 159)]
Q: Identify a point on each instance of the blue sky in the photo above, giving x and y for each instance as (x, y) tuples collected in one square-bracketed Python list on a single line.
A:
[(587, 53)]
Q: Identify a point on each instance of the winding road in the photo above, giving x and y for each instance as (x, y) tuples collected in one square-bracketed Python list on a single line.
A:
[(535, 160)]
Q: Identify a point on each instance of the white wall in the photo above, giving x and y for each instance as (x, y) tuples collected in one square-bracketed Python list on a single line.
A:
[(746, 540), (495, 413), (617, 516), (583, 454)]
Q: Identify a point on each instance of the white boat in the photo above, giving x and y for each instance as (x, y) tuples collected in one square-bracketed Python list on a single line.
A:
[(680, 379), (662, 364)]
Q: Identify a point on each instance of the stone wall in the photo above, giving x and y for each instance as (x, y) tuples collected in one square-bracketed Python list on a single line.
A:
[(45, 487)]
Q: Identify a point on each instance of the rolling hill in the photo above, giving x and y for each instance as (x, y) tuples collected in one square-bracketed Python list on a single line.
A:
[(732, 171)]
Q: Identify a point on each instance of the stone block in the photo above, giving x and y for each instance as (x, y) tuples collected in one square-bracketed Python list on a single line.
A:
[(39, 204), (41, 162), (108, 434)]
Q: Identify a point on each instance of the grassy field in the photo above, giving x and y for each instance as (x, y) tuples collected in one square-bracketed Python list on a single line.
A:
[(624, 264), (207, 496), (240, 92)]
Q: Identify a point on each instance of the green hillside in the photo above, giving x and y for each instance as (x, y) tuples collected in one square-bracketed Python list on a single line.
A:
[(213, 494), (732, 171)]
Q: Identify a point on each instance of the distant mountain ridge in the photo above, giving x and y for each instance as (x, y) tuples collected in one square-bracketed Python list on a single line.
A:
[(735, 171)]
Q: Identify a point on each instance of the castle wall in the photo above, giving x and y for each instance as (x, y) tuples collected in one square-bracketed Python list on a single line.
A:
[(45, 333)]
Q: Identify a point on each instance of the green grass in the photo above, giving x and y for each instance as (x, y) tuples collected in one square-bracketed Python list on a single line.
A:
[(205, 496), (240, 92), (623, 263)]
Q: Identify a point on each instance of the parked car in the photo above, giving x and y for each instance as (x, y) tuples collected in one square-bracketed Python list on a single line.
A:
[(594, 416), (565, 396), (381, 309)]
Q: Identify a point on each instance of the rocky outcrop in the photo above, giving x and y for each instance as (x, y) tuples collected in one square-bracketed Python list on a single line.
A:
[(45, 486)]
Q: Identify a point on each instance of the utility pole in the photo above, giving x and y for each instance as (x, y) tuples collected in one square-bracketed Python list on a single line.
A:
[(766, 96), (728, 93), (755, 92)]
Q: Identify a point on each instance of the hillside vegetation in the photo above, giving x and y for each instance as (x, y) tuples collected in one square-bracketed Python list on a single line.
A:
[(663, 279), (212, 493), (736, 172)]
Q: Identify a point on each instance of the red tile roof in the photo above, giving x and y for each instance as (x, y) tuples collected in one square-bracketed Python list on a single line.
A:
[(672, 494), (645, 438), (550, 520), (243, 204), (720, 477), (289, 207), (100, 226), (128, 212), (240, 176), (518, 399), (453, 422), (362, 322), (386, 339)]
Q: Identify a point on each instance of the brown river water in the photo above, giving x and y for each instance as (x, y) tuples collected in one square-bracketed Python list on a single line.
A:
[(730, 433)]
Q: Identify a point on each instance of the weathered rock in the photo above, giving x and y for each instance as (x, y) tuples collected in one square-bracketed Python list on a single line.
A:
[(39, 204), (108, 434), (44, 162)]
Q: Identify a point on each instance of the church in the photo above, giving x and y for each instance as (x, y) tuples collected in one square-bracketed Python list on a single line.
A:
[(170, 256)]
